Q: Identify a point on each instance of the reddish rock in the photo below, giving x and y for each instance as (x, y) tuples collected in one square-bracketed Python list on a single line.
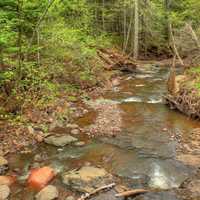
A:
[(40, 177), (7, 180)]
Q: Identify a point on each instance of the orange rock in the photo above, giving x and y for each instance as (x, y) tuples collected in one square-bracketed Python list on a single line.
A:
[(7, 180), (40, 177)]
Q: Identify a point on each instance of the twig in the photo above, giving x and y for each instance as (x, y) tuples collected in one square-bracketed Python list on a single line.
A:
[(131, 193), (88, 195)]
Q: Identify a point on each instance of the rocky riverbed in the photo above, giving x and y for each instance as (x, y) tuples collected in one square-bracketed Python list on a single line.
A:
[(126, 140)]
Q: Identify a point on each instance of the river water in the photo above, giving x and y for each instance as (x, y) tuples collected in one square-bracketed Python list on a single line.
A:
[(143, 153)]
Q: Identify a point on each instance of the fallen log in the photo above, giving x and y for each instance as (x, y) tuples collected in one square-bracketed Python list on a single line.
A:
[(88, 195), (117, 61), (131, 193)]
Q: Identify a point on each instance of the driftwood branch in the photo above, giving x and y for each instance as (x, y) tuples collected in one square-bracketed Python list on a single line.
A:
[(131, 193), (88, 195)]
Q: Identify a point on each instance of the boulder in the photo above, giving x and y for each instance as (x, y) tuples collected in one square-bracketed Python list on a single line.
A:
[(50, 192), (60, 141), (40, 177), (4, 192), (87, 178)]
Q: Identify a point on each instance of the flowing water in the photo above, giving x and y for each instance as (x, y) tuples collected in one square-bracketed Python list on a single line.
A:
[(144, 152)]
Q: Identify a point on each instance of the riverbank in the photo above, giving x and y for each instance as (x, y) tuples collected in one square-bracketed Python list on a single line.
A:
[(186, 96)]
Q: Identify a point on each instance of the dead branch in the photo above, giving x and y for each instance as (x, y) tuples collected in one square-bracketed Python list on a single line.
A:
[(88, 195), (194, 35), (174, 47), (131, 193)]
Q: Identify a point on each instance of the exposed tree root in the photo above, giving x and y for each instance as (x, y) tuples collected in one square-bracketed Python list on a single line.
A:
[(186, 101)]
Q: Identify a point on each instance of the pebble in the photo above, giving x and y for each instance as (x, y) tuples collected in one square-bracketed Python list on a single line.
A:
[(72, 126), (3, 161), (30, 130), (75, 132), (79, 144), (70, 198)]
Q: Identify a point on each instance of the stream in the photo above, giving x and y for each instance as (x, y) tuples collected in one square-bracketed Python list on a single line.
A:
[(143, 153)]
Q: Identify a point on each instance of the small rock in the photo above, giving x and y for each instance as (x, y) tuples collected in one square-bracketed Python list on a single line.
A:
[(87, 178), (79, 144), (55, 124), (39, 138), (4, 192), (30, 130), (3, 165), (40, 177), (3, 161), (72, 126), (85, 111), (50, 192), (75, 132), (115, 82), (194, 187), (37, 158), (70, 198), (60, 141)]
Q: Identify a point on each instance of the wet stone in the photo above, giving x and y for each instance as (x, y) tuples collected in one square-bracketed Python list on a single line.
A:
[(137, 181), (50, 192), (61, 140), (87, 178), (4, 192)]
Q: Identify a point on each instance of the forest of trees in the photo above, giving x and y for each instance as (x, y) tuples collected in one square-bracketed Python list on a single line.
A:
[(51, 44)]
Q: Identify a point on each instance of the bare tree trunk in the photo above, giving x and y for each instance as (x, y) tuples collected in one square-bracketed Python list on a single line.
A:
[(174, 46), (167, 12), (125, 19), (39, 22), (19, 40), (103, 15), (136, 31), (38, 46), (129, 30)]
